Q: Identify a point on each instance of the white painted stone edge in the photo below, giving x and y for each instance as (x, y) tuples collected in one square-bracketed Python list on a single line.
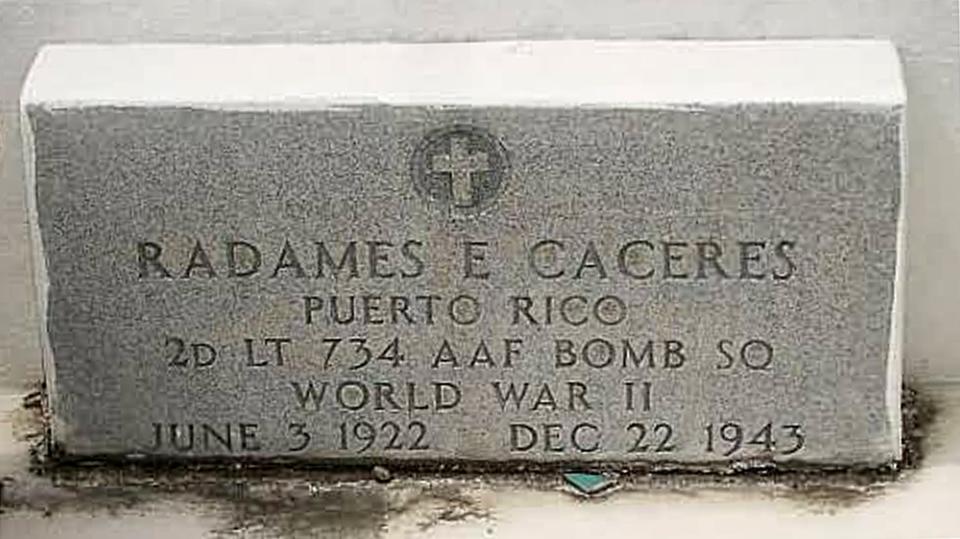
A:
[(630, 74), (38, 262), (897, 314)]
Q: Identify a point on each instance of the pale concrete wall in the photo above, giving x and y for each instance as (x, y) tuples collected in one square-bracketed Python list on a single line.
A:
[(926, 31)]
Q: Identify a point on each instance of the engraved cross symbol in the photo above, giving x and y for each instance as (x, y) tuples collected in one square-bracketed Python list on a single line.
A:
[(461, 165)]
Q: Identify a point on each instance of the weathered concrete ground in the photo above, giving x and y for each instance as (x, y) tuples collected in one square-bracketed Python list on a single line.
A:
[(94, 500)]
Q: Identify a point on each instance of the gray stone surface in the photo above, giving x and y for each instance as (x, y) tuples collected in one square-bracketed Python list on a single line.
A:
[(699, 283)]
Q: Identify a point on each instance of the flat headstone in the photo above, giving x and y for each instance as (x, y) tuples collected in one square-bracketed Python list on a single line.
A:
[(661, 252)]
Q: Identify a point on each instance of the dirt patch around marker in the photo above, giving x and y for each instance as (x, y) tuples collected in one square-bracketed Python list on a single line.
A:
[(291, 500)]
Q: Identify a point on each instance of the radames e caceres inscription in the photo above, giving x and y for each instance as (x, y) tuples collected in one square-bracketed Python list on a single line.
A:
[(489, 283)]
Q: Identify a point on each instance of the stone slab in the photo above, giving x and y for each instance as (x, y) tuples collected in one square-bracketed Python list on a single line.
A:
[(665, 252)]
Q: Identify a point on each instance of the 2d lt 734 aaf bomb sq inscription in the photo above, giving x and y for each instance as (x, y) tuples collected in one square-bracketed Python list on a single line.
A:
[(578, 266)]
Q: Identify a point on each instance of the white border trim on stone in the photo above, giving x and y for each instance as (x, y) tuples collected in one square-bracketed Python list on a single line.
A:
[(897, 311), (38, 261), (510, 73)]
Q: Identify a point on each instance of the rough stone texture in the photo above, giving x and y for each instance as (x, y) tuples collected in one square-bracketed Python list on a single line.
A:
[(799, 203)]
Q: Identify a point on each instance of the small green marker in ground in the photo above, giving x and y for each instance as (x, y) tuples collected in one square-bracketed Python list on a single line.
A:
[(588, 483)]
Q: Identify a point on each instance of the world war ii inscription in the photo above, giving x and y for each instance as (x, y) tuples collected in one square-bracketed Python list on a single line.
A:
[(445, 274)]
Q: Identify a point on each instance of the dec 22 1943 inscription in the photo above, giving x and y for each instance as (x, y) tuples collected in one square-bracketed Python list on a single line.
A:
[(660, 252)]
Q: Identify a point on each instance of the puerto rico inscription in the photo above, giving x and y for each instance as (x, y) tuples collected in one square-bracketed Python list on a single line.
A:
[(496, 283)]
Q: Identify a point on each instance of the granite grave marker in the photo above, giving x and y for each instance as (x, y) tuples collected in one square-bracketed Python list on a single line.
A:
[(660, 252)]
